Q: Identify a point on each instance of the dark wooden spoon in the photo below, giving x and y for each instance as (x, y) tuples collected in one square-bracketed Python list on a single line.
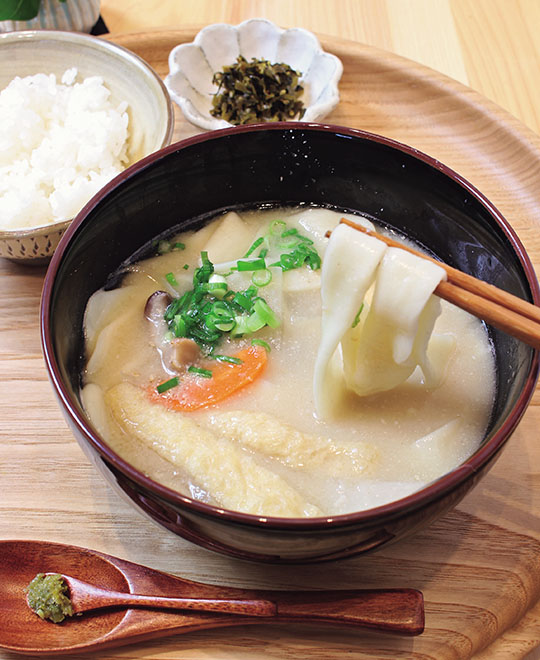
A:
[(392, 610), (86, 597)]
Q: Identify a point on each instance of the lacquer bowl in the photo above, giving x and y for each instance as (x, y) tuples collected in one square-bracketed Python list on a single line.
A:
[(192, 66), (292, 163)]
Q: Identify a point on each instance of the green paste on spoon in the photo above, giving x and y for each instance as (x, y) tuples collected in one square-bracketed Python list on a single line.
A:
[(48, 597)]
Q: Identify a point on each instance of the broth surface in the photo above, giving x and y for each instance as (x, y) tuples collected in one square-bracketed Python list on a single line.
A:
[(267, 436)]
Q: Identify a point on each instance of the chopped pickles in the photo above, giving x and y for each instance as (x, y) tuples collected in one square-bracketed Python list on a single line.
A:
[(257, 91)]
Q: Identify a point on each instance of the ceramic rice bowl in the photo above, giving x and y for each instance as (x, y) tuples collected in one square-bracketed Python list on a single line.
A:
[(127, 76)]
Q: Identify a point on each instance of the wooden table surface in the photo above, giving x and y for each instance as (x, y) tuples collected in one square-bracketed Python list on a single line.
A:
[(493, 47)]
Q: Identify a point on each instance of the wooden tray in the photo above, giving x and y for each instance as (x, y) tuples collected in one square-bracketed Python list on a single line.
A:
[(478, 567)]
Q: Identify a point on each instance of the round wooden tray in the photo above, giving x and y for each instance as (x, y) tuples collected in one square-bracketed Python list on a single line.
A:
[(478, 567)]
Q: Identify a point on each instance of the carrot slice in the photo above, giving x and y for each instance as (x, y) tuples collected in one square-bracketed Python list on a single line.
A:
[(196, 392)]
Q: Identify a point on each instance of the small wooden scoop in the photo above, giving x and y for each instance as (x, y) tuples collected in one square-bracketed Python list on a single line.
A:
[(102, 581), (86, 597)]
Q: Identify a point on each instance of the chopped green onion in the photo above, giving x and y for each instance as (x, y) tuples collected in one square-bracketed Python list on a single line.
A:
[(202, 274), (288, 238), (261, 342), (357, 317), (167, 385), (255, 322), (215, 278), (179, 326), (163, 247), (287, 262), (251, 291), (265, 313), (302, 253), (253, 264), (276, 227), (228, 358), (186, 266), (263, 253), (261, 277), (288, 243), (210, 321), (172, 309), (222, 309), (305, 239), (210, 309), (225, 326), (179, 246), (314, 261), (242, 300), (254, 246), (241, 326), (171, 279), (216, 288), (205, 373)]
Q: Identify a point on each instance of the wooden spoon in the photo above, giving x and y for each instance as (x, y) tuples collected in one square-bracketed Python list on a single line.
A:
[(86, 597), (392, 610)]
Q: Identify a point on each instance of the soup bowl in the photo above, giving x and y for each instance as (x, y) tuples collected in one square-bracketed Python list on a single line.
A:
[(182, 186)]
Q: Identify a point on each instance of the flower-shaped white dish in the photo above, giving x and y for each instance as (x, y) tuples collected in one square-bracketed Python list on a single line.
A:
[(192, 66)]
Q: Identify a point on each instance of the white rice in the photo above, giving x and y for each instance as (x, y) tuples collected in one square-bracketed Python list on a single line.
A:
[(59, 144)]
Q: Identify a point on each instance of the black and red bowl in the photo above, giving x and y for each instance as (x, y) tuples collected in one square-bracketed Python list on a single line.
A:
[(286, 164)]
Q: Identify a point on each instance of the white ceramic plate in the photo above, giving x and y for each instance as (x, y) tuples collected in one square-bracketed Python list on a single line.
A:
[(192, 66)]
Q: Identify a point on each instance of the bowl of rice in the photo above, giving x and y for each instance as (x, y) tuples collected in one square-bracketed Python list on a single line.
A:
[(75, 111)]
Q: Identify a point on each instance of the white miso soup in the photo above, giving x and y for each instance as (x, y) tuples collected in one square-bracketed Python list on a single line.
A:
[(201, 371)]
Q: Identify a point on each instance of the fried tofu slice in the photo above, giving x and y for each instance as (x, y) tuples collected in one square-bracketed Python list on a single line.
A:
[(232, 477), (265, 434)]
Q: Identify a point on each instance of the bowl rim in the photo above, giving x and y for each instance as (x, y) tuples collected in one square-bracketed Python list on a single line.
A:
[(106, 46), (430, 493)]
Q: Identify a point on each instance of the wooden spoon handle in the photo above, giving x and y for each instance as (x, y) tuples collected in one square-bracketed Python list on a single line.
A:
[(392, 610), (246, 607)]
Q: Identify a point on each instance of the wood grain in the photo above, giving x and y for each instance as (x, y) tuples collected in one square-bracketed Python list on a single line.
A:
[(99, 580), (490, 45), (478, 567)]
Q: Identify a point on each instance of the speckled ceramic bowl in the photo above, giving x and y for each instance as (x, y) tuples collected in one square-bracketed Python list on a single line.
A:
[(282, 164), (129, 78), (192, 66)]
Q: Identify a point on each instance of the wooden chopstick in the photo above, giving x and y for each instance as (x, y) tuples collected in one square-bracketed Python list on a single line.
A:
[(513, 315)]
